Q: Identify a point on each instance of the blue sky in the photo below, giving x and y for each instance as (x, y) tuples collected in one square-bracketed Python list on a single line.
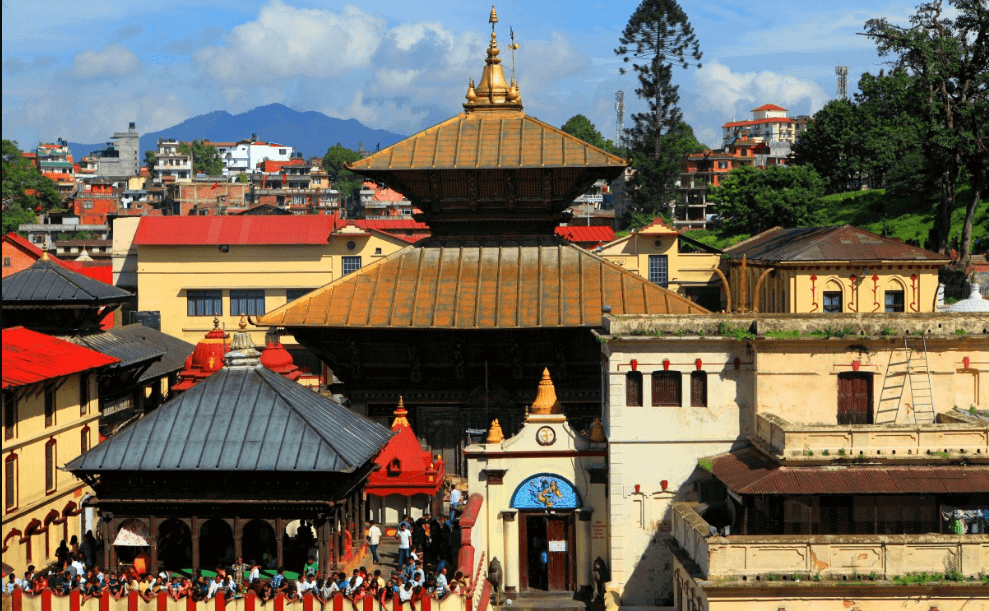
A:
[(81, 70)]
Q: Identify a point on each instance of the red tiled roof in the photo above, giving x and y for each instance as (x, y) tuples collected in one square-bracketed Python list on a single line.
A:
[(769, 107), (243, 230), (28, 155), (57, 176), (391, 225), (32, 249), (30, 357), (384, 194), (585, 233), (758, 121), (273, 167)]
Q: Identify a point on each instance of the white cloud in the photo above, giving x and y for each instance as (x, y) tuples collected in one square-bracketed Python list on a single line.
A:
[(112, 60), (733, 95), (285, 42)]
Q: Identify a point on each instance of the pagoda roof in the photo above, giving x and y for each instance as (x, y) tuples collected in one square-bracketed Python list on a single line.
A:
[(481, 283), (828, 243), (241, 419), (48, 282), (129, 351), (406, 468), (504, 139), (174, 350)]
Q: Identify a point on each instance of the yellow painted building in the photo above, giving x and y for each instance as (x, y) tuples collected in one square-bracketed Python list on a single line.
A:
[(660, 254), (192, 269), (831, 270), (50, 416)]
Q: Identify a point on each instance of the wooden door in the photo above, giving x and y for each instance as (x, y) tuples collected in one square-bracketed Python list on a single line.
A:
[(855, 398), (559, 548)]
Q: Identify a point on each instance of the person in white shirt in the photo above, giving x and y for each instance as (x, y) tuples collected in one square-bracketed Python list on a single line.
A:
[(404, 538), (355, 582), (214, 586), (454, 501), (439, 591), (255, 572), (373, 540)]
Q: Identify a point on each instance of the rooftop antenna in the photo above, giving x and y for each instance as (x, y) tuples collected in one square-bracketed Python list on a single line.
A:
[(620, 120), (842, 72)]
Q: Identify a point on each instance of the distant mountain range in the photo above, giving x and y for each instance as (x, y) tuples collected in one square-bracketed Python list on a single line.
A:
[(309, 132)]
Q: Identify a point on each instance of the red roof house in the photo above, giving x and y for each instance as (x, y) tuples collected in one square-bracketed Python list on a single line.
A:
[(30, 357)]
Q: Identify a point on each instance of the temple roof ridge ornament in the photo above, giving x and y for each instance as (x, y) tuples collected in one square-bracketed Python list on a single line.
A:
[(546, 407), (493, 91), (401, 416)]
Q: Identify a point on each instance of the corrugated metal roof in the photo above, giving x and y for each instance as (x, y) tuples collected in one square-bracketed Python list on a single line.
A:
[(238, 229), (50, 282), (834, 243), (488, 140), (466, 283), (174, 350), (129, 352), (30, 357), (241, 419), (748, 471)]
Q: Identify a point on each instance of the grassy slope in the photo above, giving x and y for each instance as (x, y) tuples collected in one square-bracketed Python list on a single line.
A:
[(907, 219)]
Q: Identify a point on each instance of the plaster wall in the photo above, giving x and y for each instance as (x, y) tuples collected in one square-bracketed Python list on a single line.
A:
[(26, 450), (165, 274), (684, 269), (571, 457)]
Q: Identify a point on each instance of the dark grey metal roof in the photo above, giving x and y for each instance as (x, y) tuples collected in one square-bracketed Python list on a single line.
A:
[(48, 282), (130, 352), (174, 349), (241, 419), (830, 243)]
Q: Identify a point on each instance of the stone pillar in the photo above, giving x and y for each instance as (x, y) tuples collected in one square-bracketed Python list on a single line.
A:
[(510, 553), (361, 515), (153, 533), (238, 537), (584, 549), (112, 527)]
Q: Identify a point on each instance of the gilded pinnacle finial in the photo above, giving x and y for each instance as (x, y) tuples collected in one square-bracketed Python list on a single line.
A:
[(216, 322), (400, 416), (243, 322), (495, 434), (45, 257), (546, 402), (493, 19), (492, 91)]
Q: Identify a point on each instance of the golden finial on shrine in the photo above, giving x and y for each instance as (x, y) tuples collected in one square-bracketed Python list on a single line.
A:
[(546, 402), (243, 322), (495, 435), (493, 18), (400, 415), (596, 434)]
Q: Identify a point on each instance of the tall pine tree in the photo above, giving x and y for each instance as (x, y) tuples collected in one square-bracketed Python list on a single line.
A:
[(658, 37)]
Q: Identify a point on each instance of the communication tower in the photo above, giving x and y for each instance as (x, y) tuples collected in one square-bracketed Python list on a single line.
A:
[(842, 72), (620, 122)]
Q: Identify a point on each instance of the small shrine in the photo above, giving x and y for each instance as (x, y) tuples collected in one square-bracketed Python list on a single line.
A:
[(276, 358), (546, 492), (409, 480), (205, 360)]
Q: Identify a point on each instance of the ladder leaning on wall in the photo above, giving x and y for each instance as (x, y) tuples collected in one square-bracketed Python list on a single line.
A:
[(913, 372)]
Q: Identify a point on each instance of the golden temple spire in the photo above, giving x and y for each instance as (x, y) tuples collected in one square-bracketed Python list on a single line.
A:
[(495, 435), (546, 403), (493, 90), (400, 416)]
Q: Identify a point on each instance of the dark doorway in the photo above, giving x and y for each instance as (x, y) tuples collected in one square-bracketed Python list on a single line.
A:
[(216, 544), (174, 545), (855, 398), (297, 548), (260, 545), (546, 552)]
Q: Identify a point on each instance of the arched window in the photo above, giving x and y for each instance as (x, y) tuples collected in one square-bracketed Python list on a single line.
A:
[(49, 406), (50, 458), (10, 481), (84, 440), (633, 388)]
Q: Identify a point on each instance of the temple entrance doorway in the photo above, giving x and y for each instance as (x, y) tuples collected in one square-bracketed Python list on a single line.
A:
[(546, 552), (298, 544), (174, 545)]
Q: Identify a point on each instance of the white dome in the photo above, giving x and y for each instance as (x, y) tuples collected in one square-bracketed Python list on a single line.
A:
[(974, 303)]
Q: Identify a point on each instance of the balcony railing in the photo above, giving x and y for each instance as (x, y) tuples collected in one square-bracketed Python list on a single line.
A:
[(958, 434), (827, 556)]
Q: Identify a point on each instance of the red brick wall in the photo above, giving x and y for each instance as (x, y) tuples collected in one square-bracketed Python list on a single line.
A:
[(18, 259)]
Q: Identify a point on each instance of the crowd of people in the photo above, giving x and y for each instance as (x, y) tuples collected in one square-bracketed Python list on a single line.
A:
[(427, 549)]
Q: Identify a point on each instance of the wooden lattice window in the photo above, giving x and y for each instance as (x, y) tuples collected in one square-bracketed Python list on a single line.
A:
[(633, 388), (698, 389), (666, 389)]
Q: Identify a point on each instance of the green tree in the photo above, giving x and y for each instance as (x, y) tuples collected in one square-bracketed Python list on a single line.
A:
[(23, 185), (343, 180), (658, 37), (149, 160), (832, 145), (205, 158), (949, 60), (16, 215), (751, 200)]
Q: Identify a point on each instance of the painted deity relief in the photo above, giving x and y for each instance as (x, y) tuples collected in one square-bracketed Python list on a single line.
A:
[(545, 491)]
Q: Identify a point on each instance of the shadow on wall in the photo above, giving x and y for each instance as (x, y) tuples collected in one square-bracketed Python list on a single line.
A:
[(651, 581)]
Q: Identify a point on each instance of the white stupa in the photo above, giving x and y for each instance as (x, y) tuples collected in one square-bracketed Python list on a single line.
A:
[(974, 303)]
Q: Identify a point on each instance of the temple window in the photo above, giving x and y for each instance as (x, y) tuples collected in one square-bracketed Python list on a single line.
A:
[(666, 388), (204, 303), (10, 482), (49, 406), (351, 265), (9, 414), (250, 302), (832, 302), (894, 301), (633, 388), (50, 460), (658, 269), (698, 389)]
